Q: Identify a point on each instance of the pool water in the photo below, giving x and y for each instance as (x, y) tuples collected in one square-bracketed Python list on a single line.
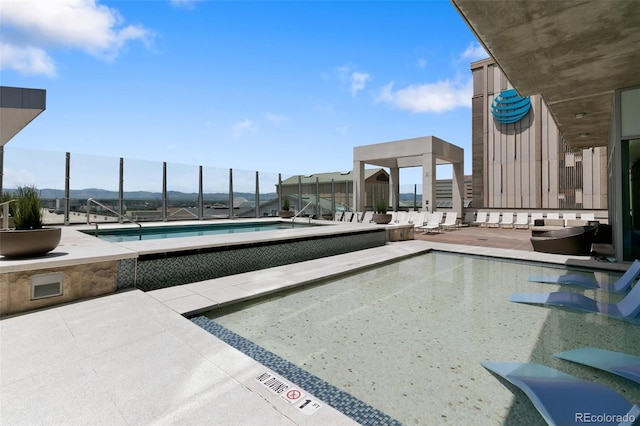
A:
[(177, 231), (407, 338)]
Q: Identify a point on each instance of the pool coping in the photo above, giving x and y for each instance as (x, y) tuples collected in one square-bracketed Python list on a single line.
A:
[(195, 298)]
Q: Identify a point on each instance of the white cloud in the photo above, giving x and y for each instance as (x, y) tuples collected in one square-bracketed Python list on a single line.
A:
[(26, 60), (187, 4), (474, 52), (355, 79), (242, 127), (79, 24), (275, 118), (430, 97), (358, 81), (422, 63)]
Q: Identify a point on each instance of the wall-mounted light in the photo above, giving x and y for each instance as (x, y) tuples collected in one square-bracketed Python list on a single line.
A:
[(580, 115), (584, 135)]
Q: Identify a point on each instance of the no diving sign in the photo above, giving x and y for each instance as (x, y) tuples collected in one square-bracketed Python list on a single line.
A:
[(307, 405), (289, 393)]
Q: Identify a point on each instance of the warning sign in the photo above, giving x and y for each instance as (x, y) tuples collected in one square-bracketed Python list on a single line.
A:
[(293, 395), (289, 393)]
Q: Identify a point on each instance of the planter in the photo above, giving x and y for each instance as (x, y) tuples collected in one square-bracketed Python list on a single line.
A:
[(28, 242), (286, 214), (381, 218)]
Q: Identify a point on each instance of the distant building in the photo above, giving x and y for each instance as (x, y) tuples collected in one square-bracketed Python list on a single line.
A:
[(376, 187), (338, 183)]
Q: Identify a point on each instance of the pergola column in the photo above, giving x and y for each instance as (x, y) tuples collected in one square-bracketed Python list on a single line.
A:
[(358, 185), (457, 187), (428, 182), (394, 188)]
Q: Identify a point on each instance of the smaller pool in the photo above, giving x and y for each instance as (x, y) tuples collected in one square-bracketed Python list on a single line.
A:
[(177, 231)]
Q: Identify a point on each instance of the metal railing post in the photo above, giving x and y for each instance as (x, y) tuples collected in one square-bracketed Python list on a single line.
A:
[(67, 179)]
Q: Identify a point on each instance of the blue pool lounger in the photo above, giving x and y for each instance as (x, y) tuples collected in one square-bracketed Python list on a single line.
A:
[(563, 399), (628, 308), (625, 365), (620, 286)]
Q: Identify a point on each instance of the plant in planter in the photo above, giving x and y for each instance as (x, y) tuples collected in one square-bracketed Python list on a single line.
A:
[(380, 216), (29, 238), (285, 212)]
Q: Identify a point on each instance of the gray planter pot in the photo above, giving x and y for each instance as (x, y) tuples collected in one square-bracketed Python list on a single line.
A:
[(381, 219), (28, 242)]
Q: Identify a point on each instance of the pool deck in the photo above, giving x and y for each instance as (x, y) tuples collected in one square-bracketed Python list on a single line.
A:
[(134, 358)]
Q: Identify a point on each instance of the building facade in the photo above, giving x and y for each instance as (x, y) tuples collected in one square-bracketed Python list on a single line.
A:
[(519, 158)]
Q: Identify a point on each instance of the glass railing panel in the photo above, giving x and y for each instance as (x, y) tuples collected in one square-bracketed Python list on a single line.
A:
[(142, 187), (182, 192), (45, 170)]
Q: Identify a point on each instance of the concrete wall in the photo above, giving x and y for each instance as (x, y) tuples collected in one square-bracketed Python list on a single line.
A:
[(79, 282)]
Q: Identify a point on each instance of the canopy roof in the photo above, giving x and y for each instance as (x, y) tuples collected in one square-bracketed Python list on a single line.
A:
[(573, 53)]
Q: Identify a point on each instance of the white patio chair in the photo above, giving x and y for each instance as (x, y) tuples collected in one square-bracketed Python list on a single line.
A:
[(507, 220), (587, 216), (450, 220), (367, 217), (522, 220), (494, 219), (567, 216), (433, 223), (481, 219), (535, 216)]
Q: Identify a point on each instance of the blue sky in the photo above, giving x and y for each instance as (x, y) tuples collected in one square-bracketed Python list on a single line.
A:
[(272, 86)]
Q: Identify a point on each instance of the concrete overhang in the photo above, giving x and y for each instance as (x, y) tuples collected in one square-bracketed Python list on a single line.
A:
[(408, 152), (18, 107), (575, 54)]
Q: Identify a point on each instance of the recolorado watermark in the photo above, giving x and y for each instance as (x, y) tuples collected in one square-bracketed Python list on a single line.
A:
[(605, 418)]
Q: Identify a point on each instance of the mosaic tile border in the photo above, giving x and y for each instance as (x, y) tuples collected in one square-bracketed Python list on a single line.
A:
[(347, 404), (169, 269)]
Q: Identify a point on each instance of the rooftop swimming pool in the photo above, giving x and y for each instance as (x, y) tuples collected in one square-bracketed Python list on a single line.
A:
[(119, 235), (407, 338)]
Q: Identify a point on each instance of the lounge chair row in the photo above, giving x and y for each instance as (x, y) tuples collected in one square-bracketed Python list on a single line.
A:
[(519, 219), (559, 397), (425, 221)]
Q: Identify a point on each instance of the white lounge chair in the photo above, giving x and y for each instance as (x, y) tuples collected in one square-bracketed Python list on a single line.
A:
[(494, 219), (587, 216), (402, 218), (367, 217), (423, 221), (348, 216), (507, 220), (433, 223), (450, 221), (337, 217), (567, 216), (535, 216), (522, 220), (419, 219), (481, 219)]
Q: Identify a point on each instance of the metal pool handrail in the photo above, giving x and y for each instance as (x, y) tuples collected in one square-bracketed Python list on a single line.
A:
[(5, 214), (91, 200), (296, 215)]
